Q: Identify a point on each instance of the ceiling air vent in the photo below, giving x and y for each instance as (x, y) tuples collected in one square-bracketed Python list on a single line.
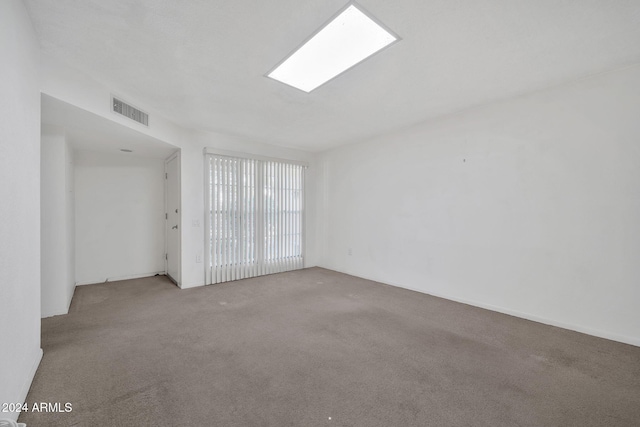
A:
[(129, 111)]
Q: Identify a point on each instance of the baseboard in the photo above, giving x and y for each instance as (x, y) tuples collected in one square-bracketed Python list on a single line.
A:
[(117, 278), (189, 286), (26, 385), (73, 292), (589, 331), (64, 311)]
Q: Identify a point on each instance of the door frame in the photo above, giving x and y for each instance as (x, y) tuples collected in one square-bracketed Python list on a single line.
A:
[(174, 156)]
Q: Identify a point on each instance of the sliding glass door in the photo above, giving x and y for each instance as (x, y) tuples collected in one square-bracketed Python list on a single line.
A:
[(256, 217)]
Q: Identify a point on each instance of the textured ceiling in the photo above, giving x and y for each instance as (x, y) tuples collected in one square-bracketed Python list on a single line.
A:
[(201, 63)]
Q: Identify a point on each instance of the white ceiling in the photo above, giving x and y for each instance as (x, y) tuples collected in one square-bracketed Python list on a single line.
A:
[(202, 63), (89, 132)]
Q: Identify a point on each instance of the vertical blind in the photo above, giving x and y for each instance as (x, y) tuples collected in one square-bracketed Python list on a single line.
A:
[(256, 217)]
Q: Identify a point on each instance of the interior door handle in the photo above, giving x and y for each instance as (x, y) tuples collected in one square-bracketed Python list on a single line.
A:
[(175, 227)]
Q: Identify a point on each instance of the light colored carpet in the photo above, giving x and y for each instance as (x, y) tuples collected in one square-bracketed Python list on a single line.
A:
[(319, 348)]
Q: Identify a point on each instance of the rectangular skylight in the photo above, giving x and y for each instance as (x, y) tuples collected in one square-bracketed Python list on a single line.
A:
[(348, 39)]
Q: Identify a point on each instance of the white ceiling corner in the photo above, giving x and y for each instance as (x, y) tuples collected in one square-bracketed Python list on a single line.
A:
[(87, 131), (202, 63)]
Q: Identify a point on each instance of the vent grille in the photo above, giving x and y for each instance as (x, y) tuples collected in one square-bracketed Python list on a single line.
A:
[(129, 111)]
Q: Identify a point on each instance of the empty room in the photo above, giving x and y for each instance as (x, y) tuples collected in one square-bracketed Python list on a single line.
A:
[(320, 213)]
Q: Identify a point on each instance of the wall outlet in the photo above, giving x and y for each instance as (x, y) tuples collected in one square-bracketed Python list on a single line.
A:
[(349, 252), (198, 258)]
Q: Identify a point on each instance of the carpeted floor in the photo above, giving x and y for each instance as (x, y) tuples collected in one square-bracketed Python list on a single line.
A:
[(319, 348)]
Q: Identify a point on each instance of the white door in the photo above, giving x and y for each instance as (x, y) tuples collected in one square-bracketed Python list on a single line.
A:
[(173, 232)]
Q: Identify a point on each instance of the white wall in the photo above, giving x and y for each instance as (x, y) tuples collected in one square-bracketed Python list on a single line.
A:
[(119, 216), (529, 206), (76, 88), (57, 222), (20, 350)]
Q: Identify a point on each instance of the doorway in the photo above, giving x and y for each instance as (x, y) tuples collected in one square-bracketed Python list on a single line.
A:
[(173, 215)]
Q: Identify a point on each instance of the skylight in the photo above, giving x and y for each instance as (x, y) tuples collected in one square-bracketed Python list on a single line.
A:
[(348, 39)]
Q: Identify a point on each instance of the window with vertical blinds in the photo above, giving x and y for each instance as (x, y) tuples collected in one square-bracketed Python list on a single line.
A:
[(255, 223)]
